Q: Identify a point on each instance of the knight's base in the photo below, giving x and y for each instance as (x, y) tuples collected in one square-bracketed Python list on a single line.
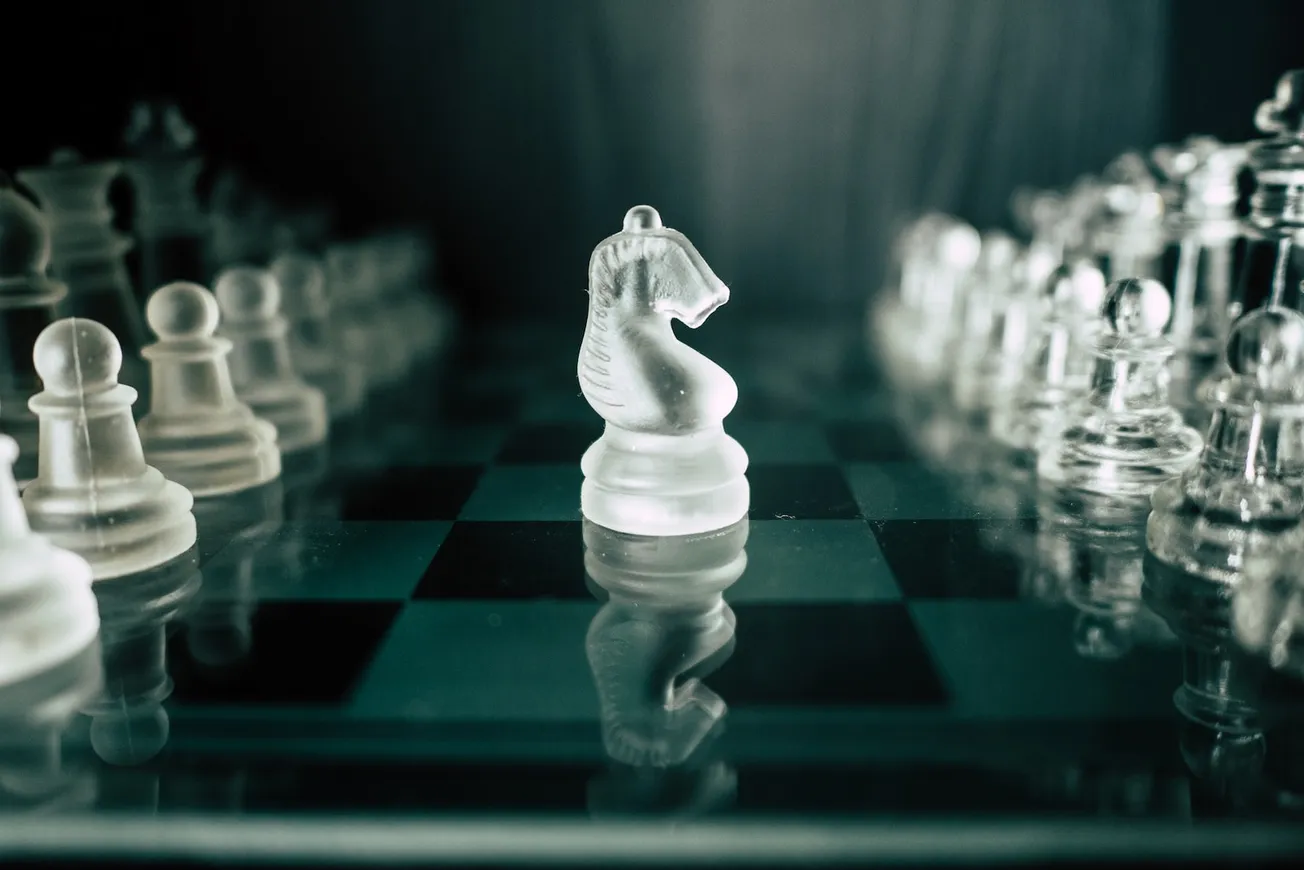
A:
[(664, 485)]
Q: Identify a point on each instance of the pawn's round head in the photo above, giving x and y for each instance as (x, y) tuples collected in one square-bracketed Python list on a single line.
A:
[(182, 310), (245, 293), (24, 234), (1267, 345), (75, 355), (958, 245), (301, 278), (1075, 288), (642, 218), (1137, 308)]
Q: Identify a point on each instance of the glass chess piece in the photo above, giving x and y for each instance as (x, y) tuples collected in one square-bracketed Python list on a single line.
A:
[(663, 629), (1268, 608), (990, 310), (1202, 228), (1057, 368), (94, 493), (129, 725), (664, 464), (88, 253), (1272, 267), (1123, 439), (1128, 236), (197, 432), (29, 302), (1246, 493), (163, 167), (262, 368)]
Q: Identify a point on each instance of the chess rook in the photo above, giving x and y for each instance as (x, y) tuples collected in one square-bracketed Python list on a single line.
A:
[(197, 432), (48, 614), (261, 366), (29, 301), (664, 465), (94, 493)]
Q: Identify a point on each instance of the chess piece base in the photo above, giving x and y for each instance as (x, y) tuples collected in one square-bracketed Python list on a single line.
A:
[(135, 526), (299, 417), (645, 484), (234, 458)]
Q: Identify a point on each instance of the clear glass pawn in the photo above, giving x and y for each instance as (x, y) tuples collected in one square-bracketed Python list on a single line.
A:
[(1123, 439), (1246, 495), (1058, 367)]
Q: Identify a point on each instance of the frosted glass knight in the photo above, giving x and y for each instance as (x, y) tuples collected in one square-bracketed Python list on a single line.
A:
[(664, 465)]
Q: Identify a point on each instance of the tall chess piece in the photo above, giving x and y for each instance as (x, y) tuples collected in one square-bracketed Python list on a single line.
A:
[(29, 301), (94, 494), (163, 167), (88, 252), (261, 366), (197, 432), (664, 464)]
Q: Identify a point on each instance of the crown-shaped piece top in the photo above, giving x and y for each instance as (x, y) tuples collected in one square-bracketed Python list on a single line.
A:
[(156, 128), (1282, 117)]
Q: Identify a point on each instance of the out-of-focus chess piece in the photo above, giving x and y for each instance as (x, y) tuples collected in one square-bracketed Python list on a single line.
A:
[(1123, 439), (128, 723), (1057, 369), (29, 302), (1202, 228), (163, 166), (992, 321), (94, 493), (1246, 494), (261, 365), (341, 378), (363, 323), (197, 431), (664, 464), (913, 328), (88, 252), (1268, 608), (242, 223), (49, 655), (664, 628), (1129, 234)]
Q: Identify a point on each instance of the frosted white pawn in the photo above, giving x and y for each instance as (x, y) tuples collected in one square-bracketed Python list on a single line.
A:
[(261, 366), (48, 613), (197, 432), (94, 493), (664, 464), (307, 307)]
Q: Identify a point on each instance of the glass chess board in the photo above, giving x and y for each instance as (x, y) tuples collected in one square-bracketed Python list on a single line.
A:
[(417, 664)]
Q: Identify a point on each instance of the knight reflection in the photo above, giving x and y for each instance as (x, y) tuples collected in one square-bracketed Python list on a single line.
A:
[(664, 628)]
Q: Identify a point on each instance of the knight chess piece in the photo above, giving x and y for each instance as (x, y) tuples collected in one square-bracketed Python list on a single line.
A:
[(197, 432), (261, 367), (29, 302), (664, 464), (94, 494)]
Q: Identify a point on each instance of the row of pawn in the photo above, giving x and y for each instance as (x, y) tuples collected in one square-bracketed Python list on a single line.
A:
[(1160, 434)]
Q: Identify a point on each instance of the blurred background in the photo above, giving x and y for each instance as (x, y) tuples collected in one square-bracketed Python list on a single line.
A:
[(787, 138)]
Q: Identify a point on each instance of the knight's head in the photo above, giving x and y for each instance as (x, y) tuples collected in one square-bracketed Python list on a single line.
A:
[(648, 267)]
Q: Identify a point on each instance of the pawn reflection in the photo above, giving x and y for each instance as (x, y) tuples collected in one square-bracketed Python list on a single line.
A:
[(128, 723), (664, 627), (234, 531)]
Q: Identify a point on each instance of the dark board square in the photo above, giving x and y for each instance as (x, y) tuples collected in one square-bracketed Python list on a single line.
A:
[(299, 654), (800, 492), (507, 560), (550, 442), (953, 558), (431, 492), (877, 441), (827, 655)]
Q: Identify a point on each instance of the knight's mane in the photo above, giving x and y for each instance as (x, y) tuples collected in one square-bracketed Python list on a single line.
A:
[(658, 252)]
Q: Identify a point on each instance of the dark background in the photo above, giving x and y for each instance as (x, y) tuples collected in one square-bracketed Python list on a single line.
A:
[(787, 138)]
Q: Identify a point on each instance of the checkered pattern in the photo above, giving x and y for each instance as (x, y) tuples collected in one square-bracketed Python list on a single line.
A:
[(448, 599)]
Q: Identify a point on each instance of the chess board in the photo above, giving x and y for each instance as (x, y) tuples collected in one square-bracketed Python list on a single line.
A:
[(428, 658)]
